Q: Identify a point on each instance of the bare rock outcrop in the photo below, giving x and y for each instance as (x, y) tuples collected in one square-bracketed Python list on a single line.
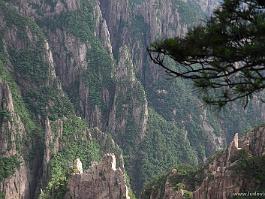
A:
[(131, 109), (222, 180), (101, 181), (208, 6), (78, 167), (168, 191), (222, 177), (17, 185), (12, 132), (52, 143)]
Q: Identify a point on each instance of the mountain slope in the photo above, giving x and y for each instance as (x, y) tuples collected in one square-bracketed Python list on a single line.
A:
[(237, 170), (74, 68)]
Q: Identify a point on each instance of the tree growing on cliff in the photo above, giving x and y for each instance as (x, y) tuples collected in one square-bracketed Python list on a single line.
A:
[(225, 58)]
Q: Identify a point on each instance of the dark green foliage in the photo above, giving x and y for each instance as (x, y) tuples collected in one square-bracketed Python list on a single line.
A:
[(2, 195), (98, 76), (19, 104), (129, 96), (80, 23), (42, 100), (241, 155), (177, 102), (75, 146), (31, 71), (187, 177), (155, 185), (8, 165), (164, 147), (128, 183), (179, 96), (187, 195), (213, 157), (42, 97), (60, 166), (22, 23), (252, 168), (240, 120), (73, 94), (225, 58), (128, 91), (74, 125), (29, 144), (128, 140), (4, 115), (49, 101), (2, 51), (30, 64)]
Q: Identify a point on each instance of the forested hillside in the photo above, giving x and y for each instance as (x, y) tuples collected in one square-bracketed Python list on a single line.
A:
[(76, 82)]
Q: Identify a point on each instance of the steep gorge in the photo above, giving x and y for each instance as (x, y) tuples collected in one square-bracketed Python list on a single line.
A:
[(77, 68)]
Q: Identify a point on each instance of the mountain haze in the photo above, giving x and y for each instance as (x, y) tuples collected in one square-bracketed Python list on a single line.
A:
[(76, 82)]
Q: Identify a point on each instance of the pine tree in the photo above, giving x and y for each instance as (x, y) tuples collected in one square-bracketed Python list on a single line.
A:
[(225, 58)]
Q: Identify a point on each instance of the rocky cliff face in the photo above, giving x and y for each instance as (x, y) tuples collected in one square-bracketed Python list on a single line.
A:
[(232, 171), (12, 132), (76, 69), (208, 6), (40, 133), (101, 181), (236, 170)]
